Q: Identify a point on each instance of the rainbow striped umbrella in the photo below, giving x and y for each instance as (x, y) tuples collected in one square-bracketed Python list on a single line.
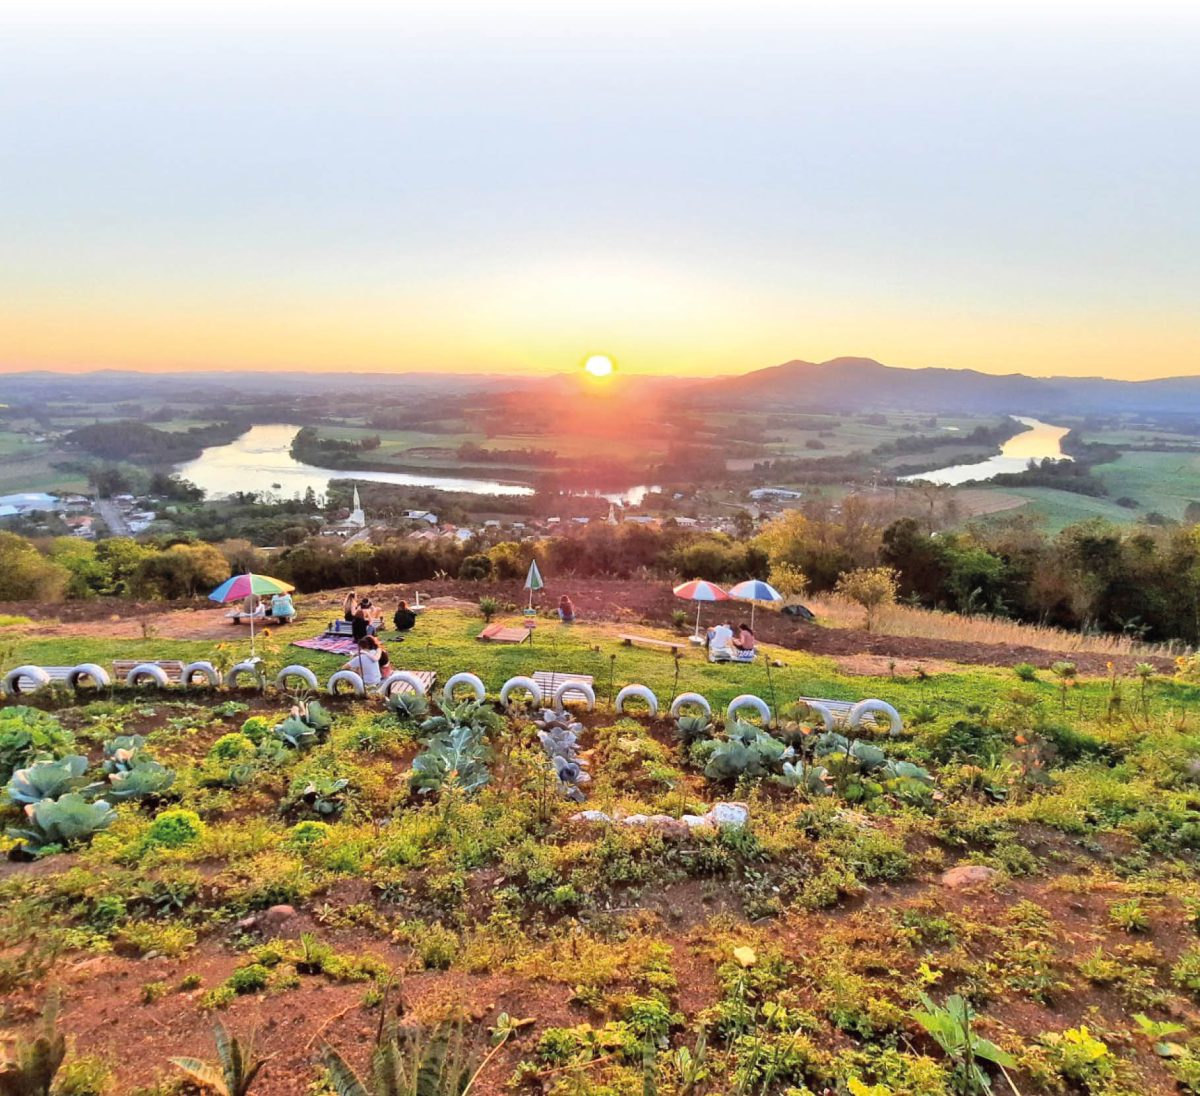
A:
[(700, 591), (754, 590), (248, 585)]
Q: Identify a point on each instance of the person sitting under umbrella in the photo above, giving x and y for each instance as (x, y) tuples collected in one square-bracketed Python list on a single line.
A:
[(744, 640), (282, 608)]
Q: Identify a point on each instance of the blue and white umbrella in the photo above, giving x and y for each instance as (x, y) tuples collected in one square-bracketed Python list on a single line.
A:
[(533, 581), (755, 590)]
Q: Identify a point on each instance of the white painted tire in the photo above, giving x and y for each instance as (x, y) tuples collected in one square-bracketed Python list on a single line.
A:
[(527, 683), (350, 678), (639, 691), (12, 679), (463, 679), (296, 670), (402, 677), (581, 688), (875, 707), (825, 714), (748, 700), (97, 674), (684, 699), (246, 668), (147, 671), (206, 670)]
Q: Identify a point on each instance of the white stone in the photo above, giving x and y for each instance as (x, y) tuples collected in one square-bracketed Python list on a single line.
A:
[(736, 815)]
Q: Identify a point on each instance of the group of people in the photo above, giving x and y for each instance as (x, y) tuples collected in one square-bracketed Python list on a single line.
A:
[(726, 637), (371, 661), (280, 609)]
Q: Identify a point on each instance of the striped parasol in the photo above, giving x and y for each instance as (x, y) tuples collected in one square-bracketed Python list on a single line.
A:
[(247, 585), (700, 591), (755, 590)]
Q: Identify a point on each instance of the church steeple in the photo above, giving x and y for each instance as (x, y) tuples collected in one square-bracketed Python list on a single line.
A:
[(357, 517)]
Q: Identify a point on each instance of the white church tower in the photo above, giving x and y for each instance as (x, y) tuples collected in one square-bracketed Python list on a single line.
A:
[(357, 517)]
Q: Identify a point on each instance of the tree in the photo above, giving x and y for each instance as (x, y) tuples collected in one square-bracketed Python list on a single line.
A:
[(27, 575), (871, 587), (89, 574), (475, 568), (123, 556), (788, 580), (183, 570)]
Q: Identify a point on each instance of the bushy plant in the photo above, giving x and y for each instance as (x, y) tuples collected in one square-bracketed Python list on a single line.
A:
[(30, 1066), (407, 704), (145, 780), (256, 728), (236, 1068), (479, 717), (121, 752), (232, 747), (174, 829), (693, 728), (560, 742), (430, 1062), (325, 795), (1025, 671)]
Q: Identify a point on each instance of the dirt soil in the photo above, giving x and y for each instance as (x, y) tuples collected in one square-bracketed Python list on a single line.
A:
[(624, 601)]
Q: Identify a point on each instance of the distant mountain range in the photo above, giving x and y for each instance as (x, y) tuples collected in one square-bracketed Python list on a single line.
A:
[(841, 384), (849, 384)]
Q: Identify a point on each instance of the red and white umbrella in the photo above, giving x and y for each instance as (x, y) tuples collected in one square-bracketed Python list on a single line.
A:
[(700, 591)]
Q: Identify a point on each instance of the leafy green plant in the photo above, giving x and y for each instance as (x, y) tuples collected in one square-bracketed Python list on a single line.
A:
[(693, 728), (407, 705), (951, 1027), (59, 823), (29, 1068), (1080, 1057), (46, 779), (433, 1062), (1129, 916), (145, 780), (488, 607), (27, 734), (1026, 671), (812, 779), (457, 757), (476, 715), (325, 795), (305, 726), (235, 1070), (232, 747), (746, 750), (121, 752), (256, 728)]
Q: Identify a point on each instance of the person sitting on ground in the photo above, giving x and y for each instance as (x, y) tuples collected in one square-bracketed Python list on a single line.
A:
[(721, 638), (744, 640), (282, 608), (361, 625), (405, 619), (566, 610), (367, 662), (350, 606)]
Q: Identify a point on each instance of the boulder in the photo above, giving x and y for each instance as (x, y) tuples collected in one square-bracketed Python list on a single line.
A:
[(967, 875), (697, 821), (733, 815), (594, 817)]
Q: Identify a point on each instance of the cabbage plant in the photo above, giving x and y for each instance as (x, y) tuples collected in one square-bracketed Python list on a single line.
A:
[(46, 779), (62, 822)]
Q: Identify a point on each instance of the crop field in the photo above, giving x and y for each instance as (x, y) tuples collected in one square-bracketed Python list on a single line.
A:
[(1162, 482), (1001, 893)]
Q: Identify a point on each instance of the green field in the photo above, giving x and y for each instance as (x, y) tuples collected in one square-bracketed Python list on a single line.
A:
[(1161, 482)]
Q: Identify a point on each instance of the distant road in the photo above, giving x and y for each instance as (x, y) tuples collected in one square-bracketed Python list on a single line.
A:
[(113, 518)]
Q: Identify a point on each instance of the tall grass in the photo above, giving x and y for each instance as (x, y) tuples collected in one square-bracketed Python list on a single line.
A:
[(903, 620)]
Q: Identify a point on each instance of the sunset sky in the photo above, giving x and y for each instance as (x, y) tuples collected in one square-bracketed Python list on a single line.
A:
[(690, 188)]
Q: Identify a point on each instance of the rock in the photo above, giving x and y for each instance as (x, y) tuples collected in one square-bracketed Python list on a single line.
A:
[(967, 875), (734, 815), (697, 821), (591, 816), (668, 826), (270, 922), (635, 820)]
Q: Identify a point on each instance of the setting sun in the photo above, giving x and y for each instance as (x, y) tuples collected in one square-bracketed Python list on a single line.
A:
[(598, 365)]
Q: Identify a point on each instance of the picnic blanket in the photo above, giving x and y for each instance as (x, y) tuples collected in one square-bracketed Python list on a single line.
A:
[(335, 645)]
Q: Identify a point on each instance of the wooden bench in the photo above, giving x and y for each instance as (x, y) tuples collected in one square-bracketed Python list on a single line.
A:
[(653, 644), (506, 633), (425, 677), (839, 709), (549, 680), (172, 667)]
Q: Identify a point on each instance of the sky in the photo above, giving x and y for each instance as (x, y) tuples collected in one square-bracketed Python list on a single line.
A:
[(691, 188)]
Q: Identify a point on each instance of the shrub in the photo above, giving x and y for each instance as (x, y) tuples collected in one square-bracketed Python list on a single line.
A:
[(174, 829), (1025, 671), (256, 728), (232, 746), (477, 568)]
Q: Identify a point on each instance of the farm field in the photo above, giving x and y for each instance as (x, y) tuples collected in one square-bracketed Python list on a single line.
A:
[(760, 907), (1161, 482)]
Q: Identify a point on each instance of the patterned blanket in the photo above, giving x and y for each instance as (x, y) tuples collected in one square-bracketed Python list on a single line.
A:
[(335, 645)]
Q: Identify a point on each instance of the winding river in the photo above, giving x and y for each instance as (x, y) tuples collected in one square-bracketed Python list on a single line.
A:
[(261, 461), (1041, 440)]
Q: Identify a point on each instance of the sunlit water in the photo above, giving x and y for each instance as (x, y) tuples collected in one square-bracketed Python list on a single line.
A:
[(1041, 440), (260, 461)]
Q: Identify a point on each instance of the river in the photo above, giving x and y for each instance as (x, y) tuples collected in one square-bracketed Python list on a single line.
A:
[(1041, 440), (261, 461)]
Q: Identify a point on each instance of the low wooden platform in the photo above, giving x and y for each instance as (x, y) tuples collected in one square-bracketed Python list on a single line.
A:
[(654, 644), (549, 680), (505, 633)]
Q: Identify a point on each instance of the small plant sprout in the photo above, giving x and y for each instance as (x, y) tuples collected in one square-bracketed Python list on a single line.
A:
[(235, 1070)]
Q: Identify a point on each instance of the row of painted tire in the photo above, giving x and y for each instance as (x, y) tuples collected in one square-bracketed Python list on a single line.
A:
[(149, 672)]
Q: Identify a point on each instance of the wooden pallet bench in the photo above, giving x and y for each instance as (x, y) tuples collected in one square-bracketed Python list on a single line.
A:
[(549, 680), (425, 677), (839, 709), (172, 667), (502, 633), (654, 644)]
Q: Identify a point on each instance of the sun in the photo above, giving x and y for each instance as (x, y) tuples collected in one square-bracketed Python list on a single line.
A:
[(599, 365)]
